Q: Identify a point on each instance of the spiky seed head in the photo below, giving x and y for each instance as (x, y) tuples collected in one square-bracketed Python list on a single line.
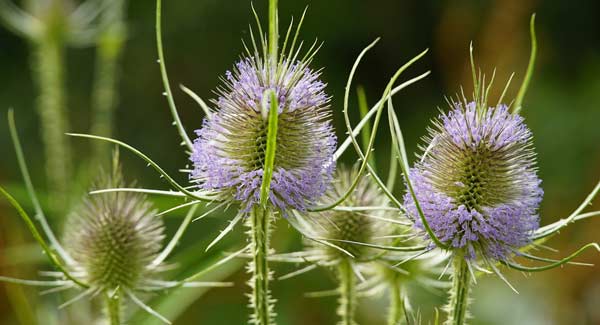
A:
[(363, 226), (113, 237), (477, 182), (229, 152)]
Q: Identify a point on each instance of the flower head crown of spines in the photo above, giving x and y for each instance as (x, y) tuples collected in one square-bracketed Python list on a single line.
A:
[(229, 152), (114, 237), (476, 180), (361, 222)]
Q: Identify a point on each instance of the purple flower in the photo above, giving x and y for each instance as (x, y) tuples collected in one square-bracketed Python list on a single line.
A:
[(476, 181), (229, 152)]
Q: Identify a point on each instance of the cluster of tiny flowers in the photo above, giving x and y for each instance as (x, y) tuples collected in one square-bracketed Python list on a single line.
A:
[(113, 238), (229, 152), (476, 181)]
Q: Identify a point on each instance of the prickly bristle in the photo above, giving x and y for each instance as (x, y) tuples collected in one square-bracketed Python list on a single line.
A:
[(476, 181), (229, 152), (113, 237)]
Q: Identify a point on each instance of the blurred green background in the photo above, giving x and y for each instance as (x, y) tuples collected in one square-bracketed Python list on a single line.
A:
[(202, 41)]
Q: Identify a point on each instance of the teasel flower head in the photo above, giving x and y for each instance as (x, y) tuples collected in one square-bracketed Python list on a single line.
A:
[(111, 243), (476, 181), (229, 152), (113, 238), (358, 220)]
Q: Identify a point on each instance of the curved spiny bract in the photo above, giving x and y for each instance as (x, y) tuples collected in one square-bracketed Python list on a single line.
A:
[(229, 152), (477, 182)]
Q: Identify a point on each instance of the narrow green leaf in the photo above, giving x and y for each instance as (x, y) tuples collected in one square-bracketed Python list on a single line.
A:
[(403, 161), (175, 240), (556, 226), (39, 212), (552, 265), (384, 247), (165, 79), (530, 67), (273, 31), (363, 108), (154, 165), (198, 100), (38, 237), (272, 120)]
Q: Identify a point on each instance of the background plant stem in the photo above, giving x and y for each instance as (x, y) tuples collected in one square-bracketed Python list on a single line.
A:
[(396, 309), (48, 63), (347, 300), (113, 306), (105, 92)]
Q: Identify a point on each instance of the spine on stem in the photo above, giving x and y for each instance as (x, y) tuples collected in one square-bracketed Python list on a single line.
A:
[(260, 298), (459, 296)]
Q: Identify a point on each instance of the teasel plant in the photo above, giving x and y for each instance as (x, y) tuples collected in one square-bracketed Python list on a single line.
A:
[(474, 190), (50, 27), (348, 240), (359, 220), (344, 240), (268, 148), (112, 247)]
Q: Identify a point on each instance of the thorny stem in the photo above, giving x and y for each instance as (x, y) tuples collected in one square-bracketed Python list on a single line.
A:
[(113, 306), (347, 299), (260, 298), (459, 296), (49, 69), (104, 97), (396, 309)]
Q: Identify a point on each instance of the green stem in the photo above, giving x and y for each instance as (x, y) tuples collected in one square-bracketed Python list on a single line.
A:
[(273, 31), (459, 296), (260, 298), (113, 306), (396, 309), (104, 97), (347, 300), (363, 108), (49, 70)]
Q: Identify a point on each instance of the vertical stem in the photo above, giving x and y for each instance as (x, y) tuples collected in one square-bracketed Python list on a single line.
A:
[(273, 31), (113, 306), (260, 298), (104, 97), (365, 134), (459, 296), (347, 300), (396, 309), (49, 69)]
